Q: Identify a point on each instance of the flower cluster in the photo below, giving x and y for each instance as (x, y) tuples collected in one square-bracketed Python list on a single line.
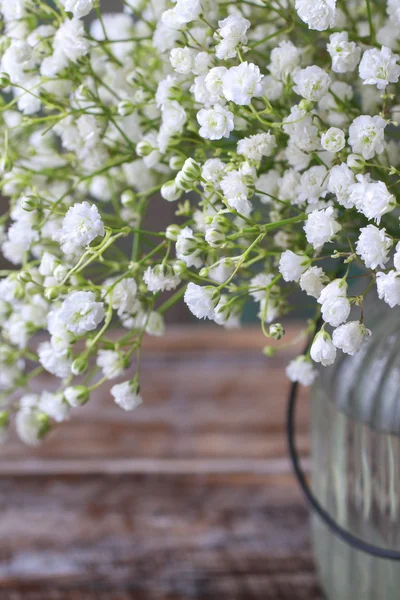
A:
[(270, 127)]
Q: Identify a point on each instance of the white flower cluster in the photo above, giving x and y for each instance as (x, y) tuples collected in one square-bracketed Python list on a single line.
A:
[(281, 161)]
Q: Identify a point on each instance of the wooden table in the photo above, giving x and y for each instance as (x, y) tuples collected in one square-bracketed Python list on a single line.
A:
[(189, 497)]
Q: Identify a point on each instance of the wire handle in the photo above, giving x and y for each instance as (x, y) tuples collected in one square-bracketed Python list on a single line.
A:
[(339, 531)]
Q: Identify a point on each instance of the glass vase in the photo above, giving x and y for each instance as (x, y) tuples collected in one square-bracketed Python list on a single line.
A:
[(356, 464)]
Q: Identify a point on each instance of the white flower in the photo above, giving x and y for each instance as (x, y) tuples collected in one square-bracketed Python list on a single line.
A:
[(303, 133), (187, 248), (272, 88), (57, 363), (366, 135), (30, 423), (312, 185), (345, 55), (232, 32), (268, 183), (170, 191), (181, 60), (79, 8), (235, 187), (54, 406), (350, 337), (313, 281), (126, 395), (81, 313), (322, 350), (110, 362), (214, 85), (76, 395), (335, 306), (340, 180), (396, 257), (155, 324), (123, 296), (333, 140), (213, 171), (160, 278), (257, 146), (173, 120), (393, 9), (318, 14), (301, 369), (259, 285), (187, 11), (69, 44), (292, 265), (215, 123), (312, 83), (379, 67), (201, 301), (321, 226), (388, 286), (373, 246), (81, 225), (371, 198), (285, 60), (242, 83)]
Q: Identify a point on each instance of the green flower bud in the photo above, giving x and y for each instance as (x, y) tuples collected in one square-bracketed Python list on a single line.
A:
[(172, 232), (24, 277), (51, 293), (125, 108), (276, 331), (80, 365), (144, 148), (176, 163), (170, 191), (128, 198), (356, 162), (269, 351), (179, 267), (77, 395), (30, 203), (4, 80)]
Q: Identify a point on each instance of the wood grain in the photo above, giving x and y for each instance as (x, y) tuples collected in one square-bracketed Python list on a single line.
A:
[(190, 497)]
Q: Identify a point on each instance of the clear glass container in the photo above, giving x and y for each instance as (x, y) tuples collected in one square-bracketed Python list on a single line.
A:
[(356, 464)]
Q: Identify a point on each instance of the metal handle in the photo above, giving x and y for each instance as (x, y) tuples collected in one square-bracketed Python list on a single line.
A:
[(342, 533)]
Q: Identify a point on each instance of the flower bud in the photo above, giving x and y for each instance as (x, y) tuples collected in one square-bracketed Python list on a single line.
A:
[(306, 105), (276, 331), (172, 232), (24, 277), (144, 148), (179, 267), (356, 162), (51, 293), (125, 108), (43, 423), (190, 173), (214, 237), (77, 395), (170, 192), (79, 365), (19, 292), (60, 272), (176, 163), (4, 80), (29, 203), (269, 351), (128, 198)]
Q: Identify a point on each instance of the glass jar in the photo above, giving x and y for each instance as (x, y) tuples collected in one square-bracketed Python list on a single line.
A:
[(356, 464)]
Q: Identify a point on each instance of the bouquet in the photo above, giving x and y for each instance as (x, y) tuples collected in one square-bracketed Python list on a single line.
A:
[(271, 126)]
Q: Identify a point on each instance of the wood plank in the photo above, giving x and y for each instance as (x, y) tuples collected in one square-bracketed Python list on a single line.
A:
[(151, 537), (209, 394)]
